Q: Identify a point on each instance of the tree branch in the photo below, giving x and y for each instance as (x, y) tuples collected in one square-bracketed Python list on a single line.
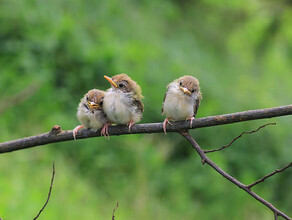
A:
[(239, 136), (113, 216), (269, 175), (207, 160), (49, 195), (57, 135)]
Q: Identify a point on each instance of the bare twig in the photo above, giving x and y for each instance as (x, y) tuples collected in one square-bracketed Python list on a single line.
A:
[(49, 195), (269, 175), (276, 216), (113, 217), (207, 160), (50, 137), (239, 136)]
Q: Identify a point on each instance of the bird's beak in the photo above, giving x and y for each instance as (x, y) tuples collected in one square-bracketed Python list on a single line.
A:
[(93, 105), (185, 90), (110, 81)]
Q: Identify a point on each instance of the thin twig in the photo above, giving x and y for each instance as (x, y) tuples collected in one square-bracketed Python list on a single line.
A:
[(53, 137), (269, 175), (49, 195), (113, 217), (239, 136), (276, 216), (207, 160)]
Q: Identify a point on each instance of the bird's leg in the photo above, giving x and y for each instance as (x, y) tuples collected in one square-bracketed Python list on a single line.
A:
[(75, 130), (104, 130), (130, 124), (166, 121), (191, 118)]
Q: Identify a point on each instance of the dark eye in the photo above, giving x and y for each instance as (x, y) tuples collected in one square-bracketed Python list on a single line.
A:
[(180, 83), (101, 103), (121, 85), (193, 90), (87, 98)]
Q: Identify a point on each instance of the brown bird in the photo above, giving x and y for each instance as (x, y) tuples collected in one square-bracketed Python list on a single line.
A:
[(122, 102), (90, 113), (181, 100)]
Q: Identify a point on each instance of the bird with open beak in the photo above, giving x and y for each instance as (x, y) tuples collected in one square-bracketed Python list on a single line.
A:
[(122, 102), (181, 100), (90, 112)]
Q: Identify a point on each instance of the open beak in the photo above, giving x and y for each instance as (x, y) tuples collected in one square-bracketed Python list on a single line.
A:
[(111, 81), (185, 90), (92, 105)]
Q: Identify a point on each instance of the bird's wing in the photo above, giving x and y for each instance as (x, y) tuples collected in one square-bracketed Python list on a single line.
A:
[(140, 107), (163, 101), (197, 104)]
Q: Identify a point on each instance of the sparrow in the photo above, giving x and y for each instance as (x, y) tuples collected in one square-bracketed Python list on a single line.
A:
[(181, 100), (122, 102), (90, 113)]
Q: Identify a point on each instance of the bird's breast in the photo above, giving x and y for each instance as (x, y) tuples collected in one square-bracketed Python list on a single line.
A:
[(91, 119), (118, 107), (178, 106)]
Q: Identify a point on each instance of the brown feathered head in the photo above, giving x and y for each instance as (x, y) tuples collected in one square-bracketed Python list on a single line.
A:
[(188, 84), (94, 98), (125, 84)]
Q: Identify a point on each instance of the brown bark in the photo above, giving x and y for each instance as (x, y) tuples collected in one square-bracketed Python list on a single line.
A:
[(57, 135)]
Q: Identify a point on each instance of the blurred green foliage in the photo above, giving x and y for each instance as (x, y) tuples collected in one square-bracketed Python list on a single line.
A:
[(241, 51)]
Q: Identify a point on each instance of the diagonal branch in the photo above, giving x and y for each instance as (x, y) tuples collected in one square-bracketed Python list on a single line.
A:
[(269, 175), (57, 135), (239, 136), (113, 216), (49, 195), (207, 160)]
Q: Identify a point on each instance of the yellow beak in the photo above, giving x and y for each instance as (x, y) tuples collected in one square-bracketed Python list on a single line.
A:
[(185, 90), (93, 105), (110, 81)]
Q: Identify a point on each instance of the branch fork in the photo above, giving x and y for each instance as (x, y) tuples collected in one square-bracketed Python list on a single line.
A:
[(58, 135), (247, 188)]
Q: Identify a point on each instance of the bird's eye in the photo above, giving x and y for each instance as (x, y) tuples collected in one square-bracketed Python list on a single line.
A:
[(87, 98), (121, 85), (193, 90), (180, 83), (101, 103)]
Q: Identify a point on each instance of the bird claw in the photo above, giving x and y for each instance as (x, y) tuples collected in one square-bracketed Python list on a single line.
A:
[(75, 131), (166, 121), (130, 124), (191, 122), (104, 131)]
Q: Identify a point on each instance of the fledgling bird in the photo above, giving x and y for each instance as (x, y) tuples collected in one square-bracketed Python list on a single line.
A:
[(122, 102), (90, 112), (181, 100)]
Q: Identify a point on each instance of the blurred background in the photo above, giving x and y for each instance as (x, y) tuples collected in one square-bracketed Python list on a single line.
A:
[(53, 52)]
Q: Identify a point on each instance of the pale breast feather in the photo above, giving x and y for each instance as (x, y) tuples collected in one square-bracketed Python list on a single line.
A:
[(177, 106), (119, 107)]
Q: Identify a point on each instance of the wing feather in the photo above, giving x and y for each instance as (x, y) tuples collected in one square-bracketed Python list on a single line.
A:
[(140, 107)]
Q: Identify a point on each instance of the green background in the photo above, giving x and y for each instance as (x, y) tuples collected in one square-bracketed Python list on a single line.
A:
[(53, 52)]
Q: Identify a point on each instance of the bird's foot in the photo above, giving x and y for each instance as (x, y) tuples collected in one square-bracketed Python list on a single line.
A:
[(75, 130), (191, 122), (166, 121), (104, 130), (130, 124)]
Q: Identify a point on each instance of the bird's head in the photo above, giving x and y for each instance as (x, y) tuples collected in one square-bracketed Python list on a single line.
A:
[(124, 83), (189, 85), (93, 99)]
